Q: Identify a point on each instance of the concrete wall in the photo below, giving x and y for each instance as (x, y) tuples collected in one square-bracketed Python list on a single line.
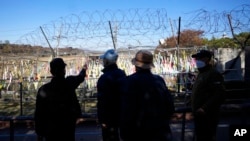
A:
[(247, 64), (228, 56)]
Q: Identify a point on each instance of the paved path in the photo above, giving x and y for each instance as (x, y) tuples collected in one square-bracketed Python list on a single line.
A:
[(84, 132), (90, 131)]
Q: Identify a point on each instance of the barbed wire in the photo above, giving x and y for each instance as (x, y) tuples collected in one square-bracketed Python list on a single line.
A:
[(241, 18), (213, 22), (132, 27)]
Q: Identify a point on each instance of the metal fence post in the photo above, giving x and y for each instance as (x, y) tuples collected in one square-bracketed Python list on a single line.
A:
[(11, 130), (183, 126), (21, 98)]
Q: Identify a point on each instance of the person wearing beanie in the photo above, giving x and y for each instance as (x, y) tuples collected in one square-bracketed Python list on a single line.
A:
[(108, 96)]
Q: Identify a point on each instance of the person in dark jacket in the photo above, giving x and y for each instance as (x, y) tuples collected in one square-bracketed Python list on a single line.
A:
[(108, 96), (57, 106), (147, 104), (207, 96)]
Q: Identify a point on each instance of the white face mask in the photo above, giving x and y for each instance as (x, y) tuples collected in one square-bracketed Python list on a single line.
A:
[(200, 64)]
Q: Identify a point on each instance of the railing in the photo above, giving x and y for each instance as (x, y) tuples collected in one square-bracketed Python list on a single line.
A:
[(230, 103), (11, 120), (242, 108)]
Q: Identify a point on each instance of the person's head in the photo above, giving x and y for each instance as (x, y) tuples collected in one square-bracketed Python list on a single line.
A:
[(57, 67), (202, 58), (109, 57), (143, 60)]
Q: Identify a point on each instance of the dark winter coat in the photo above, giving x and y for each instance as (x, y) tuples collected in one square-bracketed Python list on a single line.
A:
[(108, 95), (208, 91), (57, 107), (146, 107)]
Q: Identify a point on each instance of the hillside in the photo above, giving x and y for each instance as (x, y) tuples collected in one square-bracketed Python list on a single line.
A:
[(38, 51)]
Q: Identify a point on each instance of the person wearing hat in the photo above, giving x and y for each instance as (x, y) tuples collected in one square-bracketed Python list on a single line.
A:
[(57, 107), (108, 96), (147, 104), (207, 96)]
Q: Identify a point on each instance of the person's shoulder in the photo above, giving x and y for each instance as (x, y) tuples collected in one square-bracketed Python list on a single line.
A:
[(122, 71), (70, 77), (158, 77), (44, 89), (131, 76), (119, 69), (107, 75), (132, 79), (116, 72), (215, 74), (45, 86), (214, 71), (136, 77)]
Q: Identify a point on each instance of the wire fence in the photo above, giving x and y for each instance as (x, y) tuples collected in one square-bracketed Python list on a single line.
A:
[(130, 29), (99, 30)]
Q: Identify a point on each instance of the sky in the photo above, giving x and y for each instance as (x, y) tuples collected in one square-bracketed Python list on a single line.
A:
[(19, 17)]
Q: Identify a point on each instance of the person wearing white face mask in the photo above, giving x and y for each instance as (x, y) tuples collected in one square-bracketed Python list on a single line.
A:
[(200, 64), (207, 97)]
